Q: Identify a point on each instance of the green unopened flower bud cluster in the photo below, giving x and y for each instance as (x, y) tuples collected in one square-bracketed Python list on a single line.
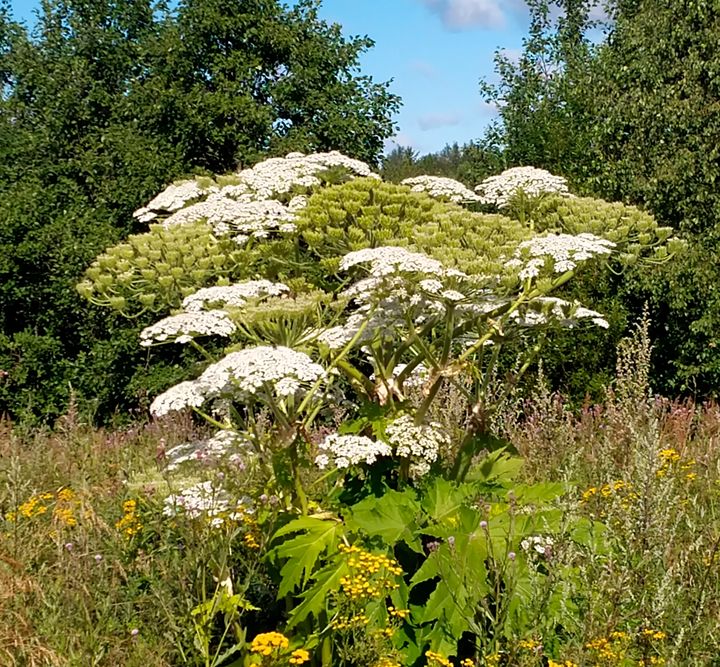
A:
[(156, 270), (636, 233), (368, 213)]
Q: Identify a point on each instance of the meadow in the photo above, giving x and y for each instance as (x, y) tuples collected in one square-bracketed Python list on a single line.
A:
[(362, 463)]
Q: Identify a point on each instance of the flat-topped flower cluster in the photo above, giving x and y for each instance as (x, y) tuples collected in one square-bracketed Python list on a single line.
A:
[(197, 322), (249, 203), (499, 190), (278, 372), (441, 187)]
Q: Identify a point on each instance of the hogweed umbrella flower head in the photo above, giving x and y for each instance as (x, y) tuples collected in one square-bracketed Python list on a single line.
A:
[(184, 395), (392, 259), (499, 190), (563, 251), (421, 444), (173, 198), (244, 373), (183, 327), (440, 187), (236, 295), (546, 310), (344, 451), (278, 176), (227, 215)]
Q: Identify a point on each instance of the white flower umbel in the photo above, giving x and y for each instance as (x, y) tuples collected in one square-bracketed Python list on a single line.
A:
[(343, 451), (498, 190), (440, 187), (236, 295), (219, 447), (421, 444), (278, 176), (546, 310), (391, 298), (184, 395), (207, 501), (173, 198), (183, 327), (241, 375), (538, 545), (226, 215), (391, 259), (414, 380), (564, 251)]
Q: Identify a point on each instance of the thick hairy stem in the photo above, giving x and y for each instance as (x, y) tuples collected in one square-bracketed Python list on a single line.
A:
[(299, 491)]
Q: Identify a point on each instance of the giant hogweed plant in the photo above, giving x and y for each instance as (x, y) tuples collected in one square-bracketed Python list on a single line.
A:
[(407, 324), (357, 388)]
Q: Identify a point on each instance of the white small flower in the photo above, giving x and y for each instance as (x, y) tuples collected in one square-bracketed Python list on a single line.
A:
[(233, 295), (422, 444), (348, 450), (498, 190), (184, 395), (442, 188), (173, 198), (183, 327)]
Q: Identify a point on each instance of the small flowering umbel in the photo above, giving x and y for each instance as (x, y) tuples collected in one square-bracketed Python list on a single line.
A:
[(184, 327), (273, 373), (350, 450), (499, 190), (439, 187)]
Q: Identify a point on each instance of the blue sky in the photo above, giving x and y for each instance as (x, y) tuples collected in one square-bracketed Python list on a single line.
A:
[(434, 50)]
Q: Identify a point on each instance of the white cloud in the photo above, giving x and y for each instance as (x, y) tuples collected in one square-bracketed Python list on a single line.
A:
[(401, 139), (432, 121), (466, 14), (426, 69)]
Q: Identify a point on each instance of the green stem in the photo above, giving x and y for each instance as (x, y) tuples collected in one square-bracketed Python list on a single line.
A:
[(300, 495)]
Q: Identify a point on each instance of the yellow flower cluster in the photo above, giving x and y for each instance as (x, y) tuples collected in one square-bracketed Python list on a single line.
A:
[(437, 659), (346, 622), (267, 642), (371, 575), (64, 512), (252, 535), (299, 656), (648, 633), (567, 663), (399, 613), (672, 459), (466, 662), (609, 648), (387, 662), (129, 524), (35, 506), (605, 491), (529, 644)]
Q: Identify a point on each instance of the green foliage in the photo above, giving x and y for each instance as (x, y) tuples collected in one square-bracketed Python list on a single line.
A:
[(469, 164), (636, 232)]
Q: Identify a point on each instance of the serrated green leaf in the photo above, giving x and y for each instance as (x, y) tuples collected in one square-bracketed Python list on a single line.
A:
[(443, 499), (393, 517), (313, 600), (303, 551)]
